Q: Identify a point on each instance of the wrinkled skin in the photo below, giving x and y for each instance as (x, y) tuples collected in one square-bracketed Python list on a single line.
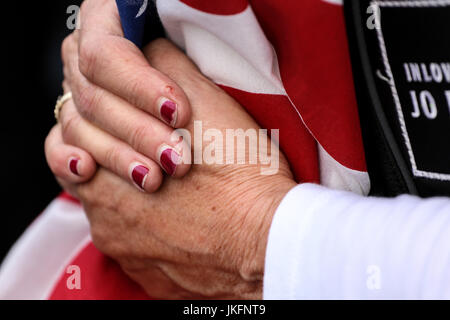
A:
[(203, 236)]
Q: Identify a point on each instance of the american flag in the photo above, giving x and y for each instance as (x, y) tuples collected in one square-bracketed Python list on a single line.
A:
[(287, 62)]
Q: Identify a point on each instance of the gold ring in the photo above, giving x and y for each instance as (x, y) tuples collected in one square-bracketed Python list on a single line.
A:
[(60, 103)]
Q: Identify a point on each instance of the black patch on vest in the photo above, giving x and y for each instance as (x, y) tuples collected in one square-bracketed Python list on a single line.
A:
[(401, 61)]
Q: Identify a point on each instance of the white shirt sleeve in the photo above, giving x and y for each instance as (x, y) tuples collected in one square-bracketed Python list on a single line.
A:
[(327, 244)]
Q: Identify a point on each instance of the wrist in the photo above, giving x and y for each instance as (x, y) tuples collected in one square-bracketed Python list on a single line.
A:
[(256, 231)]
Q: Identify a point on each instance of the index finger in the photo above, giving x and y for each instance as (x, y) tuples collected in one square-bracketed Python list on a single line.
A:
[(114, 63)]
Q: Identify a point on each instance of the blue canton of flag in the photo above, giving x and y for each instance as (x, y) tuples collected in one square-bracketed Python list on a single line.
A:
[(133, 14)]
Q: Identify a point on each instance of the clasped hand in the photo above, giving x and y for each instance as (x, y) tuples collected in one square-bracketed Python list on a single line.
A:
[(201, 233)]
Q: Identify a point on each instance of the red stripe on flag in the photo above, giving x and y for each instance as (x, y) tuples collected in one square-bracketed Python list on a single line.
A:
[(226, 7), (101, 279), (311, 43), (276, 112), (65, 196)]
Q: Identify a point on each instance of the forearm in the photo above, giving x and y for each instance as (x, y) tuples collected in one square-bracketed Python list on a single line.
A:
[(336, 245)]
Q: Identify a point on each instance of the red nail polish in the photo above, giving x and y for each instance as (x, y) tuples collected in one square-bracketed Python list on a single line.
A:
[(169, 161), (73, 166), (139, 175), (168, 112)]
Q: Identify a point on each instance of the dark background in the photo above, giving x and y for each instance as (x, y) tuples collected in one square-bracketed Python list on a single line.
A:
[(32, 77)]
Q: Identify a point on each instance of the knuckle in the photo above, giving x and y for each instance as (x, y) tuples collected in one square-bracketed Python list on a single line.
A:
[(94, 48), (138, 90), (88, 55), (69, 126), (106, 244), (138, 136), (102, 240), (105, 232), (112, 157), (88, 98)]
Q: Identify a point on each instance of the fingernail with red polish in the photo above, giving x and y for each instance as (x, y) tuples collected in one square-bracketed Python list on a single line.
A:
[(168, 111), (73, 166), (139, 174), (169, 160)]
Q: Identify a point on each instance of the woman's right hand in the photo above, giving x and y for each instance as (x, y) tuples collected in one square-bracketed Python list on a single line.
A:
[(116, 89)]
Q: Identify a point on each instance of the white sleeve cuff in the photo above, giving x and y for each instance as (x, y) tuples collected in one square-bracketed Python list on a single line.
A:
[(327, 244)]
